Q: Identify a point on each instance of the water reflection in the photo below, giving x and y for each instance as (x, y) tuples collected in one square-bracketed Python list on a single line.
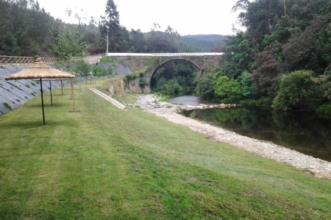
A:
[(302, 131)]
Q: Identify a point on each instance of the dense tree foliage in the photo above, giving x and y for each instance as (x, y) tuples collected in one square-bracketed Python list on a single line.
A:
[(68, 43), (284, 55), (158, 40), (238, 55), (26, 29)]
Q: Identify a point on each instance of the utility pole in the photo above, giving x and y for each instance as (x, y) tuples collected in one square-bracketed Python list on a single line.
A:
[(107, 49), (285, 10)]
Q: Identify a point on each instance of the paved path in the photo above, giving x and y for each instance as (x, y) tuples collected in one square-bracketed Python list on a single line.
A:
[(109, 99)]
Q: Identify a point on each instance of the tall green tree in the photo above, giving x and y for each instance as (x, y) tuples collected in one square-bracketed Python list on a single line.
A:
[(238, 55), (118, 36)]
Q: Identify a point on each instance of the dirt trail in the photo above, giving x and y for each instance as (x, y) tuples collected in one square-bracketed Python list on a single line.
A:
[(315, 166)]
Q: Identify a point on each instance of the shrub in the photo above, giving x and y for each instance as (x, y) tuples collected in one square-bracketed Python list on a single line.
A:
[(297, 90), (107, 60), (128, 79), (205, 88), (324, 111), (142, 82), (172, 88), (228, 90), (82, 68)]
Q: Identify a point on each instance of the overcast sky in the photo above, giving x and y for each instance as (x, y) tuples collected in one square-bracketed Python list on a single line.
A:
[(185, 16)]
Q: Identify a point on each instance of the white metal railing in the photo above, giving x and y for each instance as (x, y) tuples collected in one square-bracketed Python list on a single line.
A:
[(162, 54)]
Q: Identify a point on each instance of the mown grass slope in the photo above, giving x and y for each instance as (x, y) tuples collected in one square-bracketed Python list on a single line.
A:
[(104, 163)]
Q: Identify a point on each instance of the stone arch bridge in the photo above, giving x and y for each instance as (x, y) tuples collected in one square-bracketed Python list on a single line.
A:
[(149, 63)]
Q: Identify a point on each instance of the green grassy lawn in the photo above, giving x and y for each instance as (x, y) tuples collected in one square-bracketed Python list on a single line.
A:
[(104, 163)]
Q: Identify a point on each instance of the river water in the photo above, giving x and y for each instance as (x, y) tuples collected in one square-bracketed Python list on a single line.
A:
[(186, 100), (301, 131)]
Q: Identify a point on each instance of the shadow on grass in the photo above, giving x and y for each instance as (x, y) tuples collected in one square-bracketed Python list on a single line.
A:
[(36, 124), (47, 105)]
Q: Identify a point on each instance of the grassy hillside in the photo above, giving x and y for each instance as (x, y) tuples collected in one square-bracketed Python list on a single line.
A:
[(103, 163)]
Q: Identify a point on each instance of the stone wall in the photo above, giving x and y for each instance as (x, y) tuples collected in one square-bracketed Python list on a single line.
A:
[(116, 87)]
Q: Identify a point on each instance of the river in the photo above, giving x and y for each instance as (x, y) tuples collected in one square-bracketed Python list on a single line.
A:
[(301, 131), (186, 100)]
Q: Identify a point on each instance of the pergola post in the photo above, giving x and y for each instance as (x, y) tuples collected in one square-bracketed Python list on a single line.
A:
[(62, 87), (50, 89), (42, 100), (73, 97)]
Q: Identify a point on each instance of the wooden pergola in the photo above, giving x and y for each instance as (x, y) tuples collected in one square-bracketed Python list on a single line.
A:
[(42, 72)]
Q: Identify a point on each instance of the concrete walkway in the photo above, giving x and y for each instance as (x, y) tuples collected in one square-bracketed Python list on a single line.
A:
[(116, 103)]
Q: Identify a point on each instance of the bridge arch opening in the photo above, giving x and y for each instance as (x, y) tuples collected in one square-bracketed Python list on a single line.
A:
[(175, 77)]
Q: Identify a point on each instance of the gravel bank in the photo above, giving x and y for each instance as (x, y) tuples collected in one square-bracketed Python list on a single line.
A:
[(315, 166)]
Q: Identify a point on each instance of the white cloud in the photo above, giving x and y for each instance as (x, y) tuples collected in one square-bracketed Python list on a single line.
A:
[(186, 16)]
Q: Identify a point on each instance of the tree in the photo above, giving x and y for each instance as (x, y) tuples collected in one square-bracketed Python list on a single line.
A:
[(301, 51), (238, 55), (137, 39), (248, 85), (111, 28), (260, 18), (162, 41), (112, 15), (324, 46), (90, 34), (266, 74), (68, 44)]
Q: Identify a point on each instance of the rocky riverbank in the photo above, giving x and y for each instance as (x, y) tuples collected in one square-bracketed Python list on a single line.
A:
[(315, 166)]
